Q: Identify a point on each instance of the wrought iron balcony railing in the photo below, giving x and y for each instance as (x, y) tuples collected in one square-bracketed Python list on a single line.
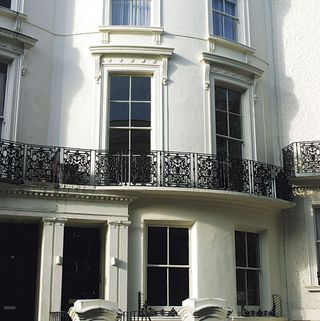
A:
[(302, 159), (26, 163)]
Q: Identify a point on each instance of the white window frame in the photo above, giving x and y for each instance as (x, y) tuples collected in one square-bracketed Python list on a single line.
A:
[(243, 25), (16, 5), (155, 15), (167, 265)]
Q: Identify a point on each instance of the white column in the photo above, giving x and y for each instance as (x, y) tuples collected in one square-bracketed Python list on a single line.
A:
[(45, 269), (57, 265), (117, 263)]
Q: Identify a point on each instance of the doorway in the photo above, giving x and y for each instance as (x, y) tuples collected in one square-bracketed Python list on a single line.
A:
[(81, 266), (18, 270)]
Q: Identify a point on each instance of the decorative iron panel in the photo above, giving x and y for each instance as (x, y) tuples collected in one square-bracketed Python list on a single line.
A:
[(207, 166), (11, 161), (143, 169), (42, 163), (288, 159), (177, 169), (262, 179), (108, 169), (283, 185), (76, 166), (309, 153)]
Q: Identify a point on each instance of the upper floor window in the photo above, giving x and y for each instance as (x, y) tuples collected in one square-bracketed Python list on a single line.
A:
[(3, 84), (224, 15), (228, 122), (168, 266), (247, 268), (131, 12), (130, 114), (5, 3)]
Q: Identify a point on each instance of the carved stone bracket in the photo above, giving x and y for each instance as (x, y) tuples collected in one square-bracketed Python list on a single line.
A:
[(119, 224)]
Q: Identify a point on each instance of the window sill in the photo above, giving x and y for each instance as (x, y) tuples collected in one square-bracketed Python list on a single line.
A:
[(11, 13), (156, 32), (313, 288), (214, 40)]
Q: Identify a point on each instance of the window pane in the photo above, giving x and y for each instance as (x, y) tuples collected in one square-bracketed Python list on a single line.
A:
[(140, 88), (140, 141), (217, 4), (179, 246), (241, 288), (235, 150), (3, 80), (5, 3), (218, 24), (240, 239), (1, 120), (318, 256), (253, 250), (120, 12), (118, 140), (178, 285), (253, 287), (221, 123), (119, 89), (119, 114), (222, 148), (157, 245), (140, 115), (221, 98), (234, 101), (235, 126), (230, 28), (157, 286), (230, 8)]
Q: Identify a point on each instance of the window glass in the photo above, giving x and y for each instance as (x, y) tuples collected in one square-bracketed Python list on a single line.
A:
[(5, 3), (119, 88), (247, 268), (131, 12), (225, 19), (168, 266), (228, 122), (140, 114), (140, 88), (118, 140), (119, 114)]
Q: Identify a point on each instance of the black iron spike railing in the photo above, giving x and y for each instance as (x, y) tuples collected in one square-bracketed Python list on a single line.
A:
[(27, 163)]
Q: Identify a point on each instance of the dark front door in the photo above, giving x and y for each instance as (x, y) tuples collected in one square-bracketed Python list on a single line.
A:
[(81, 265), (18, 271)]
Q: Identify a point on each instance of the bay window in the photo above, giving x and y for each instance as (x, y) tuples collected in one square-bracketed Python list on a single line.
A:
[(167, 266), (131, 12), (224, 16)]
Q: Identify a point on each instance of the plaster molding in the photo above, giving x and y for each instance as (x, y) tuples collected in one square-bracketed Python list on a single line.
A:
[(119, 224), (313, 289), (59, 194), (232, 66), (17, 39), (12, 13), (128, 30), (48, 220), (144, 51), (213, 41)]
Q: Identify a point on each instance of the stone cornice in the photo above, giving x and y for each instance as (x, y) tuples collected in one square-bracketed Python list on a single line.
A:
[(132, 50), (225, 62), (22, 40), (66, 194)]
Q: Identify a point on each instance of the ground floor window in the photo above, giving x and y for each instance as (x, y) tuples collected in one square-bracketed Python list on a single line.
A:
[(317, 240), (168, 266), (247, 248), (5, 3)]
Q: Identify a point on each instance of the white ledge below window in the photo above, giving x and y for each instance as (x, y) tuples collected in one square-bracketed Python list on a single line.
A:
[(12, 13), (313, 288), (214, 40), (156, 32)]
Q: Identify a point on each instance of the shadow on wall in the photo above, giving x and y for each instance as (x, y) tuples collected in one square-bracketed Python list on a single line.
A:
[(67, 76), (287, 102)]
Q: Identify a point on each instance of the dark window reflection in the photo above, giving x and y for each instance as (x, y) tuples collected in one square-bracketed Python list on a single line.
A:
[(240, 248), (140, 114), (179, 285), (118, 140), (119, 114), (157, 245), (157, 286), (119, 89), (178, 246), (140, 141), (140, 88)]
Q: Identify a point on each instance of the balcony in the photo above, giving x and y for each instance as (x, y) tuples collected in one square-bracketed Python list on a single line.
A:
[(34, 164), (302, 159)]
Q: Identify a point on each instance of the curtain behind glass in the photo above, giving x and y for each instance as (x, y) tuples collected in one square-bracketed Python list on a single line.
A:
[(131, 12)]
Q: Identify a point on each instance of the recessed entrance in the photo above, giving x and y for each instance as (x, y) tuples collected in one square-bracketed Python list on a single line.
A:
[(18, 270), (81, 266)]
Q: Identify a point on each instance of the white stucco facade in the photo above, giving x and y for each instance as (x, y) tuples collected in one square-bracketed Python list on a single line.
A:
[(61, 60)]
